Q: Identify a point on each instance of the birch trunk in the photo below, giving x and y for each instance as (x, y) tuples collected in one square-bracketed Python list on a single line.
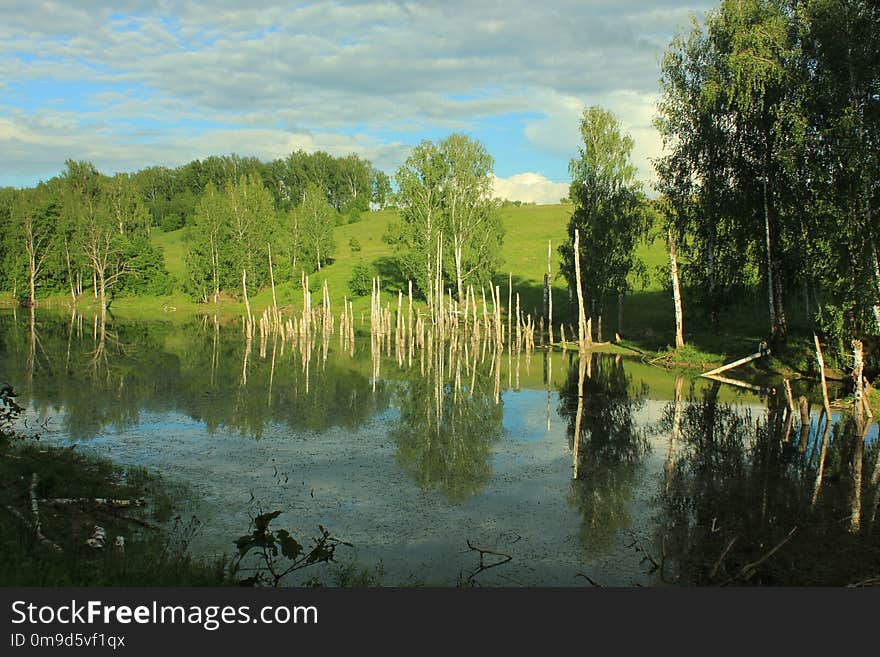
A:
[(272, 278), (69, 272), (771, 300), (247, 303), (676, 292), (582, 320), (876, 269)]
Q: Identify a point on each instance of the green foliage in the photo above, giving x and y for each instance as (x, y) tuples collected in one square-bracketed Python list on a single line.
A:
[(355, 245), (446, 188), (148, 264), (381, 189), (102, 233), (610, 213), (231, 231), (278, 553), (772, 119), (316, 219), (361, 281), (9, 414)]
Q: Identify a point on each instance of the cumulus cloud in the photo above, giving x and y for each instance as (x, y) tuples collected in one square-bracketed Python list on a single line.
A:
[(558, 130), (31, 147), (529, 188), (374, 69)]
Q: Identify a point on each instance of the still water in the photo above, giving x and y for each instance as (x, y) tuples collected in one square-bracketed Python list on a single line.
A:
[(672, 480)]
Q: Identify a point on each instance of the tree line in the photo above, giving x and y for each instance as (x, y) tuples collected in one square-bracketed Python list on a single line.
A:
[(85, 231)]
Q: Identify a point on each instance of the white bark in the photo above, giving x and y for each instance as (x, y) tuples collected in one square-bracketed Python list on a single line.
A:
[(676, 292)]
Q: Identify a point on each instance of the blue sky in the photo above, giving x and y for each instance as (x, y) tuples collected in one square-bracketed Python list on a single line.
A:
[(135, 83)]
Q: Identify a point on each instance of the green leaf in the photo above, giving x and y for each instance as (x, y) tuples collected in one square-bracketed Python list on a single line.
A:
[(290, 548), (261, 522)]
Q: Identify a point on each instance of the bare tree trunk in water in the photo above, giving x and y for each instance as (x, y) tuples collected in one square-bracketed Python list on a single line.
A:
[(826, 404), (676, 292), (582, 370), (858, 386), (855, 520)]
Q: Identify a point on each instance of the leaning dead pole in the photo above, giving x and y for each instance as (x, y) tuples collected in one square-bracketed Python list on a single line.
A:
[(742, 361)]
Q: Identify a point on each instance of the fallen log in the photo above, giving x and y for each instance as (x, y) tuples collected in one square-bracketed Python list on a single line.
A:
[(737, 363), (93, 500)]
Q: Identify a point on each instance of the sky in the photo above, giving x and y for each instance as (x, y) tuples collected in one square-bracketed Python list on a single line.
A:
[(132, 83)]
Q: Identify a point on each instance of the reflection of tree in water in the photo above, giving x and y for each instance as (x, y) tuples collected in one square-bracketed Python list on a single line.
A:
[(192, 369), (445, 432), (611, 450), (735, 488)]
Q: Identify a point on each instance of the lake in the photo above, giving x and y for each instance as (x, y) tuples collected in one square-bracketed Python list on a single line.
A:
[(674, 480)]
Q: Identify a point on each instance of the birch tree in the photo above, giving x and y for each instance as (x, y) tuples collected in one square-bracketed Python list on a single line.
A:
[(207, 237), (313, 228), (446, 188), (33, 214), (609, 214)]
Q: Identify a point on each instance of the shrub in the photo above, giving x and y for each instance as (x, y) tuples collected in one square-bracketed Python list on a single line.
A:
[(361, 281)]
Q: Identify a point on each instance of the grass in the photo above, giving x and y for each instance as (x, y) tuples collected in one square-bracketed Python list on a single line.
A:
[(155, 550)]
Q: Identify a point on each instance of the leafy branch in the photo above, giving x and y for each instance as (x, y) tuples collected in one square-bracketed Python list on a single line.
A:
[(278, 553)]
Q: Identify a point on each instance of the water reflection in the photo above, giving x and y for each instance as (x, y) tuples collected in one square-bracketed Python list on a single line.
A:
[(600, 402), (741, 503), (759, 492), (449, 421), (105, 377)]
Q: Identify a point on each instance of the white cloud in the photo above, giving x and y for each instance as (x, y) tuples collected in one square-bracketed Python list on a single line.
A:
[(529, 188), (558, 131), (323, 68), (32, 147)]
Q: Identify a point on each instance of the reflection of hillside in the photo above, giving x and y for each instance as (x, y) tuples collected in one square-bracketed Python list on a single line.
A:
[(610, 451), (194, 369), (445, 433), (735, 488)]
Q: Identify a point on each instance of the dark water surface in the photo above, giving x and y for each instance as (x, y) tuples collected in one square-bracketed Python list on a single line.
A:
[(671, 480)]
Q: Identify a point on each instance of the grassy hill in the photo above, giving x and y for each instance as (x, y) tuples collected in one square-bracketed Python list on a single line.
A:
[(524, 255)]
